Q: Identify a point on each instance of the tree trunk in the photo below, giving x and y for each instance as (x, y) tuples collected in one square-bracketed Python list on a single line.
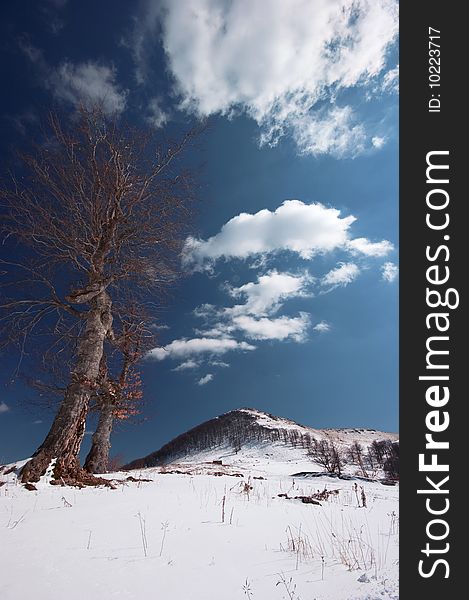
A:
[(98, 457), (65, 436)]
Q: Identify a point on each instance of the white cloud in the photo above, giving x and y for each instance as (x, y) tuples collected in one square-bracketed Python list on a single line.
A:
[(389, 271), (4, 407), (219, 330), (276, 61), (280, 328), (263, 299), (334, 130), (205, 311), (378, 142), (364, 246), (88, 83), (344, 274), (391, 80), (186, 365), (158, 327), (252, 320), (267, 295), (305, 229), (205, 379), (322, 327), (156, 116), (219, 363), (183, 348)]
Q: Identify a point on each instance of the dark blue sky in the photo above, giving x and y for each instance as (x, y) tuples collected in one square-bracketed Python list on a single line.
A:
[(298, 112)]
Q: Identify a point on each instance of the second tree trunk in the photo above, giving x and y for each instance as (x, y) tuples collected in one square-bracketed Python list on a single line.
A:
[(98, 457)]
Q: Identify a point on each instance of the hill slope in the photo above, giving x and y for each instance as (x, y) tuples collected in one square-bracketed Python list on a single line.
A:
[(247, 431)]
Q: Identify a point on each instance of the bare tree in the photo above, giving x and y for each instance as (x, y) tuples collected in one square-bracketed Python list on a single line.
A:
[(327, 454), (355, 454), (97, 206), (380, 450), (391, 462), (119, 391)]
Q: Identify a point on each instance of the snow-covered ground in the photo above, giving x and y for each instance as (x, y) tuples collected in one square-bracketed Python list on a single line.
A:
[(201, 535)]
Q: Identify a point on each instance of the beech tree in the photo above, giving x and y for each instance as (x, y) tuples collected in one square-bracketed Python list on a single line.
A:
[(97, 208), (118, 393)]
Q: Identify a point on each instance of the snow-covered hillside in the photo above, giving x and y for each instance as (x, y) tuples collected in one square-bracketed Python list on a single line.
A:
[(259, 432), (245, 529)]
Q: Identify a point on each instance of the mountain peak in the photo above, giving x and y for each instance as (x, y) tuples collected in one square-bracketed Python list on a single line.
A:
[(245, 427)]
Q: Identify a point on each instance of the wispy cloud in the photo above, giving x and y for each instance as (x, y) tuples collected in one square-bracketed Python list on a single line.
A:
[(183, 348), (205, 379), (51, 10), (378, 141), (254, 318), (187, 365), (219, 363), (364, 246), (85, 83), (331, 130), (344, 274), (88, 83), (322, 327), (289, 67), (159, 327), (4, 407), (389, 271), (391, 80), (156, 116)]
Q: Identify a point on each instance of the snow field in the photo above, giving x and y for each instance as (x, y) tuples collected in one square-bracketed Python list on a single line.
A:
[(198, 537)]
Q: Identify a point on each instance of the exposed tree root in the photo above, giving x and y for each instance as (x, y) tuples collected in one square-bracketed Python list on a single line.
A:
[(65, 472), (82, 480), (74, 475), (36, 467)]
